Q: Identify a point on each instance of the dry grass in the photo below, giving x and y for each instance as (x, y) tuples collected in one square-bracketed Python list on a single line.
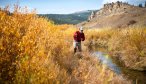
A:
[(127, 44), (35, 51)]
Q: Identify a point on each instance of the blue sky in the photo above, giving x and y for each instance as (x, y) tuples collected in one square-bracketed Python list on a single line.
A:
[(62, 6)]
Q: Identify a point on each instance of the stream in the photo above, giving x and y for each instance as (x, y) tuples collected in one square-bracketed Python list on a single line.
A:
[(137, 77)]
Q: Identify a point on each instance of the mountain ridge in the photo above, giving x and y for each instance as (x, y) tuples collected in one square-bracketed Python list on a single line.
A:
[(73, 18)]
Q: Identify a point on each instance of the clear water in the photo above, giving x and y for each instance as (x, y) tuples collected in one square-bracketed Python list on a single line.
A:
[(138, 76), (104, 58)]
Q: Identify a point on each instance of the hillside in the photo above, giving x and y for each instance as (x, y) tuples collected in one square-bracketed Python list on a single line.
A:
[(73, 18), (116, 15)]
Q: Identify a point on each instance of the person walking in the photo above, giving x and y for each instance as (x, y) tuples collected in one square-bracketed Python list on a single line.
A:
[(78, 37)]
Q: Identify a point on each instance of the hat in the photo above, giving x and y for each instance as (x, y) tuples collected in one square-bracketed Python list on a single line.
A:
[(81, 28)]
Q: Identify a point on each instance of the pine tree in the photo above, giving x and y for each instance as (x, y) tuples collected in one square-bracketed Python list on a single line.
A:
[(140, 5), (145, 3)]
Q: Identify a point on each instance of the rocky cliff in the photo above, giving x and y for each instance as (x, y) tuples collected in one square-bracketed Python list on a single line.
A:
[(115, 15)]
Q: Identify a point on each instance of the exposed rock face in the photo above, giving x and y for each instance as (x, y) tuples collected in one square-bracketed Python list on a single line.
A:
[(111, 8), (114, 7), (92, 15), (116, 15)]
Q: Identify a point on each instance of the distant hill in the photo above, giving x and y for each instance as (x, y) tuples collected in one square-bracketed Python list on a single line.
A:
[(117, 15), (73, 18)]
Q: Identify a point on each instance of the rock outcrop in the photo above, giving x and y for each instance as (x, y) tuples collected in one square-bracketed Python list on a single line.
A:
[(116, 15), (92, 15), (111, 8)]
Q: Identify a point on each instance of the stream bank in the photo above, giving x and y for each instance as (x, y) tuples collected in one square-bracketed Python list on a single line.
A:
[(138, 77)]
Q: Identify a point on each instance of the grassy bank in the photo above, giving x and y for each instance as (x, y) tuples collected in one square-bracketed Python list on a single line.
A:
[(35, 51), (126, 44)]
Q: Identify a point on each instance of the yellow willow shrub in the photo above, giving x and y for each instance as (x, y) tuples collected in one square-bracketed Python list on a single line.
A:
[(69, 34), (29, 46)]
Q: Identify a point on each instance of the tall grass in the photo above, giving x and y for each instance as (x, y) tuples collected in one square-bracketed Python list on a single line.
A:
[(127, 44), (36, 51)]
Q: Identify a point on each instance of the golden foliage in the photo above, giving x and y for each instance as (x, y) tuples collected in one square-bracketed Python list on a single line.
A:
[(28, 45), (34, 50)]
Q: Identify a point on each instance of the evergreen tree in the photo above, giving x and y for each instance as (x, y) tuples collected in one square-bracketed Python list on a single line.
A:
[(140, 5)]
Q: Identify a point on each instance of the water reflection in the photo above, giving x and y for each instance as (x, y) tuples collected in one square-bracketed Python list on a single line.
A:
[(105, 59), (137, 76)]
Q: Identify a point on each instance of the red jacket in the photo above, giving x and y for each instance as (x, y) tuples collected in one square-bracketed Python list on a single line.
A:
[(78, 36)]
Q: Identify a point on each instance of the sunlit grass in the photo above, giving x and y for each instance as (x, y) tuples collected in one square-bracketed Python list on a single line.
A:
[(36, 51), (127, 44)]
